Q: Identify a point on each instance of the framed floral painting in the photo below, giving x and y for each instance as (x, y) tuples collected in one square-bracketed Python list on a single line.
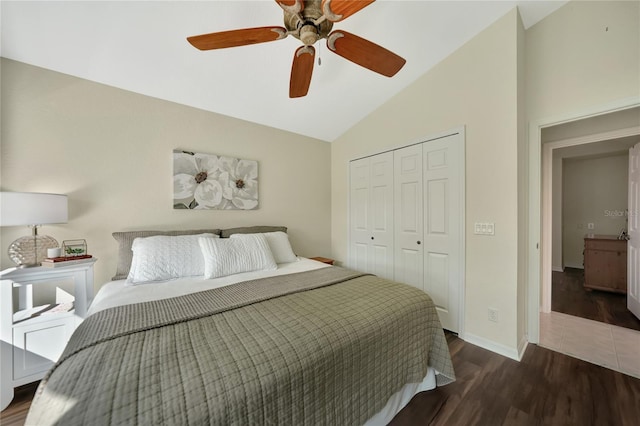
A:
[(206, 181)]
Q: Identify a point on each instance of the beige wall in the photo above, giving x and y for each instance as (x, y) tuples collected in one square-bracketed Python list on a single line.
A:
[(110, 151), (594, 191), (476, 87), (583, 58), (584, 55)]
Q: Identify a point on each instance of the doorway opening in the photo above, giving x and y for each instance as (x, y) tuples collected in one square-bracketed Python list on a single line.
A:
[(584, 203), (590, 221)]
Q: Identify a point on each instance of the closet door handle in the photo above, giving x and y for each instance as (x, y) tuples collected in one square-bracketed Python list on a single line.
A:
[(419, 243), (372, 238)]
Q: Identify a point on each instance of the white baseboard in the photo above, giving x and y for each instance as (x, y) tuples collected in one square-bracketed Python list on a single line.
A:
[(522, 347), (492, 346), (574, 266)]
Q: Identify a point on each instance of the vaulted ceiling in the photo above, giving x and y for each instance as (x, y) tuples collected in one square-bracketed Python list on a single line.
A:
[(141, 46)]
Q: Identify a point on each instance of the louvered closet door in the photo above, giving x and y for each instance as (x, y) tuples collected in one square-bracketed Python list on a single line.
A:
[(442, 227), (408, 213), (371, 215)]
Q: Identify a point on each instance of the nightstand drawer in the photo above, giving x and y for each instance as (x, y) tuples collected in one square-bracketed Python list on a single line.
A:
[(38, 345)]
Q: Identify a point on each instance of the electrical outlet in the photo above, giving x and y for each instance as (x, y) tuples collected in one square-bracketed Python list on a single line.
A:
[(493, 315), (590, 226)]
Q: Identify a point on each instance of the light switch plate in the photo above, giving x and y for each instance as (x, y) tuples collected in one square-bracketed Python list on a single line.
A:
[(484, 228)]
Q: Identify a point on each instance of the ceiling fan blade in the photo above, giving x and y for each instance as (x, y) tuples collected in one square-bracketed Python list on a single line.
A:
[(365, 53), (236, 38), (291, 6), (301, 71), (338, 10)]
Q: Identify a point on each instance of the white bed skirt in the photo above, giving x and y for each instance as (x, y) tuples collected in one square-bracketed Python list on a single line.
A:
[(400, 399)]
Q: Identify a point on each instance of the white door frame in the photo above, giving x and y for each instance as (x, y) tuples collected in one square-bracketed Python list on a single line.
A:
[(458, 130), (539, 250), (633, 233)]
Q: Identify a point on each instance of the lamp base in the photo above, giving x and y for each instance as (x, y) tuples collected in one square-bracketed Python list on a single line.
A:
[(29, 251)]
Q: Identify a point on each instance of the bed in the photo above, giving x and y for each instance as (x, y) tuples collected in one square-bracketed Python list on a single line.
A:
[(298, 343)]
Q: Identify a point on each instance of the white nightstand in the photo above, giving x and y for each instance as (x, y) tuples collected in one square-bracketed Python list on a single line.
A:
[(31, 346)]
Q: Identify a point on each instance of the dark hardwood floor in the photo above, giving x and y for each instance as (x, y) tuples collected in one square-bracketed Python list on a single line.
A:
[(569, 297), (16, 412), (545, 388)]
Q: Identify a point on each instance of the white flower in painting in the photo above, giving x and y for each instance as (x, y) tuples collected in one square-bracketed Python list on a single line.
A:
[(239, 182), (196, 176)]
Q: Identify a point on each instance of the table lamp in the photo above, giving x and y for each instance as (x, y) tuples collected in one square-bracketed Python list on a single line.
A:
[(33, 210)]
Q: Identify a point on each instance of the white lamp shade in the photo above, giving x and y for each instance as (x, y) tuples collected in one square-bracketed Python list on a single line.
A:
[(29, 208)]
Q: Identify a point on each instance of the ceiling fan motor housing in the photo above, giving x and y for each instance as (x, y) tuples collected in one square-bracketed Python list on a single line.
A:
[(302, 26)]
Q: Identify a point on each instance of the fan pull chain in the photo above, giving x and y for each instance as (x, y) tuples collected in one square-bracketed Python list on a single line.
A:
[(319, 53)]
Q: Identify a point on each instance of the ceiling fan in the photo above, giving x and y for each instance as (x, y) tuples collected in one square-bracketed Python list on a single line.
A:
[(310, 21)]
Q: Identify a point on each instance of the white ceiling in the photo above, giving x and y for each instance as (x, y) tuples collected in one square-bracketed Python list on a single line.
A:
[(141, 47)]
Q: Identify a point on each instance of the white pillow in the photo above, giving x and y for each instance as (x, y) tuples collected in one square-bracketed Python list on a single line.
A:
[(228, 256), (163, 257), (278, 243)]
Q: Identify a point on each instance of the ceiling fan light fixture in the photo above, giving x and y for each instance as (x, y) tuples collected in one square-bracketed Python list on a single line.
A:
[(309, 34)]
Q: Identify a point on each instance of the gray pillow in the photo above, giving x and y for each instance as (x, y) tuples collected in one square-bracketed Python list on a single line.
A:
[(125, 240), (252, 230)]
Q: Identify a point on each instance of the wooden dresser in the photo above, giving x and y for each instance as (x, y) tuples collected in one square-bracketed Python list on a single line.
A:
[(605, 263)]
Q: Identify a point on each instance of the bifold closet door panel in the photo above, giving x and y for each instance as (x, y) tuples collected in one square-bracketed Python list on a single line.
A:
[(442, 218), (381, 215), (371, 221), (359, 215), (408, 214)]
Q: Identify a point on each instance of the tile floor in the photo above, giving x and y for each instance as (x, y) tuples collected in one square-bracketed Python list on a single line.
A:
[(607, 345)]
